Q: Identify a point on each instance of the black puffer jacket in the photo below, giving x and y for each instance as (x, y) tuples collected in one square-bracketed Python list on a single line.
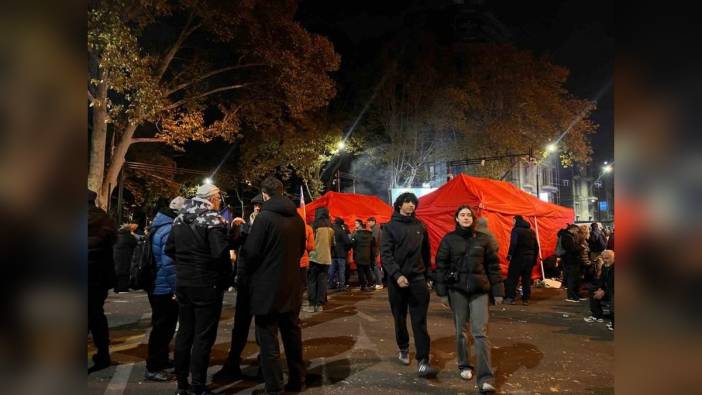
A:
[(405, 248), (102, 233), (271, 257), (199, 244), (342, 241), (479, 272), (363, 247)]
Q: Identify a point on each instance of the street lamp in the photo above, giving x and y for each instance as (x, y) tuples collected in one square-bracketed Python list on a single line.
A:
[(551, 147), (341, 145), (607, 168), (208, 180)]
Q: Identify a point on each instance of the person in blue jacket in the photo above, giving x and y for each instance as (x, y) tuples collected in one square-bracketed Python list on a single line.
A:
[(164, 316)]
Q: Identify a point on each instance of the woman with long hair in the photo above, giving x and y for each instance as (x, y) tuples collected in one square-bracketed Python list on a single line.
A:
[(467, 268)]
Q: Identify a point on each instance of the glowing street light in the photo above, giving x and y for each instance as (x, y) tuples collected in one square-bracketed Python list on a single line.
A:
[(341, 145), (551, 147), (208, 180), (607, 169)]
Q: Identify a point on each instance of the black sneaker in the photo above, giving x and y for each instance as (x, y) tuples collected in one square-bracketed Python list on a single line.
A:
[(425, 370), (508, 301), (525, 303), (99, 363), (295, 387), (227, 374)]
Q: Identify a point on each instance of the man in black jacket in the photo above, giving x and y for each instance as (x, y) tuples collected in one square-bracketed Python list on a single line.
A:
[(102, 234), (199, 243), (523, 250), (571, 262), (604, 291), (405, 258), (338, 273), (271, 257)]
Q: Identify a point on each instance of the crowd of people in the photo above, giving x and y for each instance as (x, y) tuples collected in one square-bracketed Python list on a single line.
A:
[(273, 258)]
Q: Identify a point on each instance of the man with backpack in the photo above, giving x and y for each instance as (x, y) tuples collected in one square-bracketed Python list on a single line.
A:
[(199, 243)]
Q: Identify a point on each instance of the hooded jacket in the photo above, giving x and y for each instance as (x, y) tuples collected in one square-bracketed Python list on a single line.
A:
[(272, 258), (102, 233), (342, 241), (470, 254), (165, 267), (573, 249), (523, 246), (405, 248), (199, 244)]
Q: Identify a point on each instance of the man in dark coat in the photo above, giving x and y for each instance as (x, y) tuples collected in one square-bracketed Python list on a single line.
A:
[(231, 369), (523, 250), (102, 233), (122, 253), (272, 256), (363, 254), (342, 244), (406, 260), (571, 262), (199, 243)]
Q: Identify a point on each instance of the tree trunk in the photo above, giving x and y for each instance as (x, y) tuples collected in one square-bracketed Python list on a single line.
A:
[(110, 181), (98, 142)]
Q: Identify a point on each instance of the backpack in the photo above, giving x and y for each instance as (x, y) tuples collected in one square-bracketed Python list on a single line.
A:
[(142, 272)]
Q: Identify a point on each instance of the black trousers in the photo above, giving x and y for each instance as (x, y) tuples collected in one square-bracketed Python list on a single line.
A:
[(317, 285), (242, 323), (97, 322), (267, 327), (164, 317), (416, 299), (572, 277), (200, 309), (364, 275), (519, 267)]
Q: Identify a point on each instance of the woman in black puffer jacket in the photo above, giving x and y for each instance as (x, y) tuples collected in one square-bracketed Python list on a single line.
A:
[(467, 268)]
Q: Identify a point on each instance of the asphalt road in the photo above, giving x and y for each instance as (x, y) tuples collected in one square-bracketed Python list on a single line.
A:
[(545, 347)]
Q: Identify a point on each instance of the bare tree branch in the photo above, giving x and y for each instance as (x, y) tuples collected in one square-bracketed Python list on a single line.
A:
[(147, 140), (213, 91), (210, 74), (187, 31)]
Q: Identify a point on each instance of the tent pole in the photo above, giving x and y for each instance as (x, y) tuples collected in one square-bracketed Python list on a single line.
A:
[(538, 243)]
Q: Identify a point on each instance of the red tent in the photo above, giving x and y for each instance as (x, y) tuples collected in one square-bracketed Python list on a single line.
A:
[(499, 202), (350, 206)]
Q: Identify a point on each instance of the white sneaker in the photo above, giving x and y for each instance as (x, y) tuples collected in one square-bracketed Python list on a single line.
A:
[(610, 327), (487, 387), (404, 357), (572, 300), (592, 318), (378, 286), (466, 374)]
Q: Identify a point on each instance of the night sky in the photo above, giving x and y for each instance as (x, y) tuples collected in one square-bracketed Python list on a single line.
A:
[(575, 34)]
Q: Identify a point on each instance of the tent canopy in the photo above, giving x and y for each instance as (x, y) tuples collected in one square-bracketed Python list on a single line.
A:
[(498, 202), (350, 206)]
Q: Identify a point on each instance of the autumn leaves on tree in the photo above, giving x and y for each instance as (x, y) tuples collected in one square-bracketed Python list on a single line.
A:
[(172, 72)]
